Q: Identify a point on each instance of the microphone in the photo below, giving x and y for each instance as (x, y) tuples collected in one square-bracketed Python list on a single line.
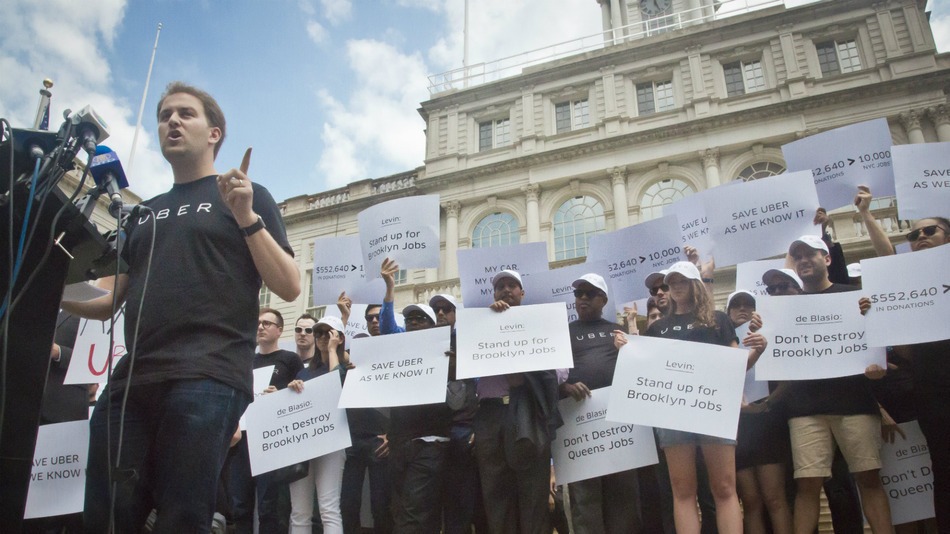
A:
[(107, 171), (92, 129)]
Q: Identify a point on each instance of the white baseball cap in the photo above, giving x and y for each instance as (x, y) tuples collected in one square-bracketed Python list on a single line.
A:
[(507, 273), (684, 268), (424, 308), (442, 297), (788, 273), (593, 279), (812, 241), (333, 322), (653, 278), (737, 293)]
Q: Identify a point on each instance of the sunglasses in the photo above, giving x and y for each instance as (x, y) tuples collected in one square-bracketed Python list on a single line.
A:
[(322, 333), (301, 330), (417, 319), (371, 318), (589, 293), (779, 288), (443, 309), (656, 289), (928, 231), (265, 323)]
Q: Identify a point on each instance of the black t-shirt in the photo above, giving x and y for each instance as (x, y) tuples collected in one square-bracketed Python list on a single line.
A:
[(595, 355), (847, 395), (684, 327), (199, 316), (286, 366)]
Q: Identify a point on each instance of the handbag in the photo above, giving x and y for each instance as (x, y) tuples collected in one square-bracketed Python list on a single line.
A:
[(291, 473)]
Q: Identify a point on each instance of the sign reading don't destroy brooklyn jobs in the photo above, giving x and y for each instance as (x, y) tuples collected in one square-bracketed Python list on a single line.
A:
[(589, 446)]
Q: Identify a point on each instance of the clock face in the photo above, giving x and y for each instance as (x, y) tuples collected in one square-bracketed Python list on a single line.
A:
[(653, 8)]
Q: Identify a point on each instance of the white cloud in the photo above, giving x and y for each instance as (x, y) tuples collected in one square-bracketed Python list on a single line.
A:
[(337, 11), (377, 130), (432, 5), (316, 32), (941, 28), (34, 45)]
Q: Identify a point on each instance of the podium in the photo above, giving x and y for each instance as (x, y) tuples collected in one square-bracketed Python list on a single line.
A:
[(33, 320)]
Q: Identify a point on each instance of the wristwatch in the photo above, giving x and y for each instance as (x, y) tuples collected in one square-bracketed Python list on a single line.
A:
[(254, 228)]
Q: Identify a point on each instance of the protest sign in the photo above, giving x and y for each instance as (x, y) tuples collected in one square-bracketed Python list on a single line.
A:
[(405, 230), (632, 253), (90, 360), (814, 336), (337, 267), (82, 292), (287, 427), (749, 275), (517, 340), (555, 285), (680, 385), (752, 389), (398, 370), (58, 478), (356, 324), (922, 180), (477, 266), (758, 219), (690, 213), (587, 446), (907, 475), (910, 297), (843, 158), (262, 376)]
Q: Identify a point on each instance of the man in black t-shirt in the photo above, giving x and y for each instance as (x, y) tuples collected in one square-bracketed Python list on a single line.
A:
[(609, 503), (836, 411), (197, 255)]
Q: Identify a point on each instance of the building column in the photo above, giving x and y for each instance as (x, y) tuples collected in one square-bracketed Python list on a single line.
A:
[(532, 192), (911, 122), (452, 209), (940, 116), (605, 20), (618, 177), (615, 21), (711, 166)]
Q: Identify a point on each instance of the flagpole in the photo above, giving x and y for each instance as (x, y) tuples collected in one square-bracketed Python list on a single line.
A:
[(138, 121), (42, 112)]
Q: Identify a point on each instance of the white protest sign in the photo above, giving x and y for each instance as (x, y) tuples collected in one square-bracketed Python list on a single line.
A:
[(356, 323), (680, 385), (403, 369), (749, 275), (907, 475), (405, 230), (752, 389), (82, 291), (758, 219), (262, 376), (555, 285), (477, 266), (922, 180), (91, 354), (587, 446), (287, 427), (58, 478), (337, 267), (517, 340), (910, 297), (814, 336), (632, 253), (843, 158), (690, 213)]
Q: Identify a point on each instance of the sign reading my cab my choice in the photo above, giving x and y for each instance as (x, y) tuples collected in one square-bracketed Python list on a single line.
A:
[(90, 361), (477, 266), (632, 253), (517, 340), (680, 385), (843, 158), (337, 266), (814, 336), (757, 219), (58, 478), (405, 230), (555, 285), (287, 427), (908, 309), (907, 476), (587, 446), (922, 180), (398, 370)]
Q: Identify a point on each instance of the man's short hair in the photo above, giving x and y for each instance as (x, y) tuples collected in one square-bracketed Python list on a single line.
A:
[(211, 108), (306, 316), (280, 318)]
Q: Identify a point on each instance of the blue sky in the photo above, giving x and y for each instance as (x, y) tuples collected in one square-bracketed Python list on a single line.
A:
[(326, 91)]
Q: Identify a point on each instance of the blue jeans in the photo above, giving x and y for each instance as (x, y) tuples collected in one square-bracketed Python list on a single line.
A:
[(174, 442)]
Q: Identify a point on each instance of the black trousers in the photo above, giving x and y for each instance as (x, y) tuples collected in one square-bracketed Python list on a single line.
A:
[(418, 473), (606, 505)]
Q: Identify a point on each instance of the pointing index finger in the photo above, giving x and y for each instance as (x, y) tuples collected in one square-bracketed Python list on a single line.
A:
[(246, 162)]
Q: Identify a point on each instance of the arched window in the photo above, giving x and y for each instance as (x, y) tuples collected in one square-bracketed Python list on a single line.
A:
[(575, 221), (660, 194), (494, 230), (762, 169)]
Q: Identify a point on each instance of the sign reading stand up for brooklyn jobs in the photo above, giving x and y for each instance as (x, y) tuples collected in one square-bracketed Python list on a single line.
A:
[(405, 230)]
